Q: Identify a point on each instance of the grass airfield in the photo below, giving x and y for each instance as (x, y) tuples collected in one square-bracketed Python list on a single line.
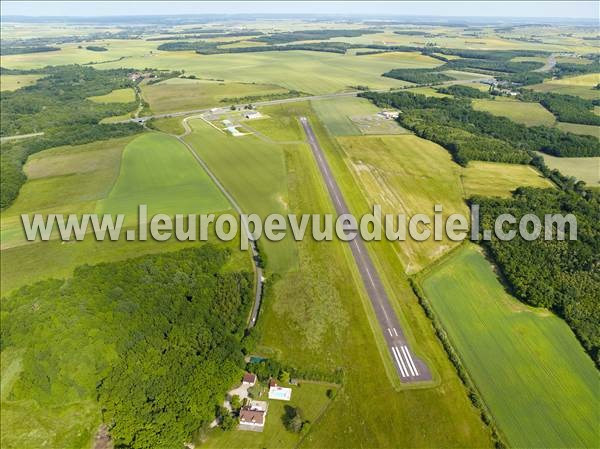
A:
[(315, 313)]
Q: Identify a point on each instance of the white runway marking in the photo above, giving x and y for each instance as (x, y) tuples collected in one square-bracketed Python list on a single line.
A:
[(390, 332), (399, 362), (409, 359), (395, 333)]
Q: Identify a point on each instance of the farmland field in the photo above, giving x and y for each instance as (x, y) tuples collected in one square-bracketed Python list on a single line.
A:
[(503, 374), (406, 174), (159, 171), (97, 176), (575, 128), (126, 95), (513, 351), (584, 168), (582, 86), (497, 179), (530, 114), (304, 71), (14, 82), (178, 94)]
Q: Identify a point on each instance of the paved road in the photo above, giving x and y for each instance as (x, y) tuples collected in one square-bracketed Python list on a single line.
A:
[(257, 269), (550, 63), (408, 366), (225, 109)]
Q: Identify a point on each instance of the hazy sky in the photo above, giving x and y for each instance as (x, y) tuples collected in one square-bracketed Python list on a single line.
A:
[(564, 9)]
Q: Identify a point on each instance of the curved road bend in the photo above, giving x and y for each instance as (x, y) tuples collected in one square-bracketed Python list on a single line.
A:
[(257, 269), (408, 366)]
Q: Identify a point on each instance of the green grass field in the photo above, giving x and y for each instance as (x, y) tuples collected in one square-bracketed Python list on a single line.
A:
[(14, 82), (159, 171), (126, 95), (582, 85), (584, 168), (254, 172), (336, 114), (498, 179), (178, 94), (304, 71), (406, 174), (539, 384), (575, 128), (106, 176), (530, 114)]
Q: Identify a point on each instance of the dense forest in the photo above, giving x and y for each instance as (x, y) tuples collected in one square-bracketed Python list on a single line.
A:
[(458, 90), (155, 340), (57, 105), (418, 76), (15, 50), (478, 135), (308, 35), (561, 275)]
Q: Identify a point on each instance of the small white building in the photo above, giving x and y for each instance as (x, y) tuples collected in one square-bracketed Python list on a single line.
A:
[(389, 114), (280, 393), (250, 115)]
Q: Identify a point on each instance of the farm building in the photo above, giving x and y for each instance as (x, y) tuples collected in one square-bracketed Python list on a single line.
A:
[(280, 393)]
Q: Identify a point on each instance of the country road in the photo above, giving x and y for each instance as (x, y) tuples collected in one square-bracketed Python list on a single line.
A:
[(257, 269), (220, 109), (408, 366)]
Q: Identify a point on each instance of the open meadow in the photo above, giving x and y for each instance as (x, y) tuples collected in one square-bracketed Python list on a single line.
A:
[(529, 114), (111, 176), (497, 179), (584, 168), (409, 175), (14, 82), (539, 384), (177, 94)]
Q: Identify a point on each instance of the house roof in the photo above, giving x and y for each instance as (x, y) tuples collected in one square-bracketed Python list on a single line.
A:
[(249, 377), (253, 416)]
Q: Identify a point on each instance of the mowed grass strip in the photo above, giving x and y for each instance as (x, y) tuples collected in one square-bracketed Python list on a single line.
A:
[(498, 179), (536, 379), (253, 171), (586, 169), (336, 113), (529, 114), (126, 95), (157, 170)]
